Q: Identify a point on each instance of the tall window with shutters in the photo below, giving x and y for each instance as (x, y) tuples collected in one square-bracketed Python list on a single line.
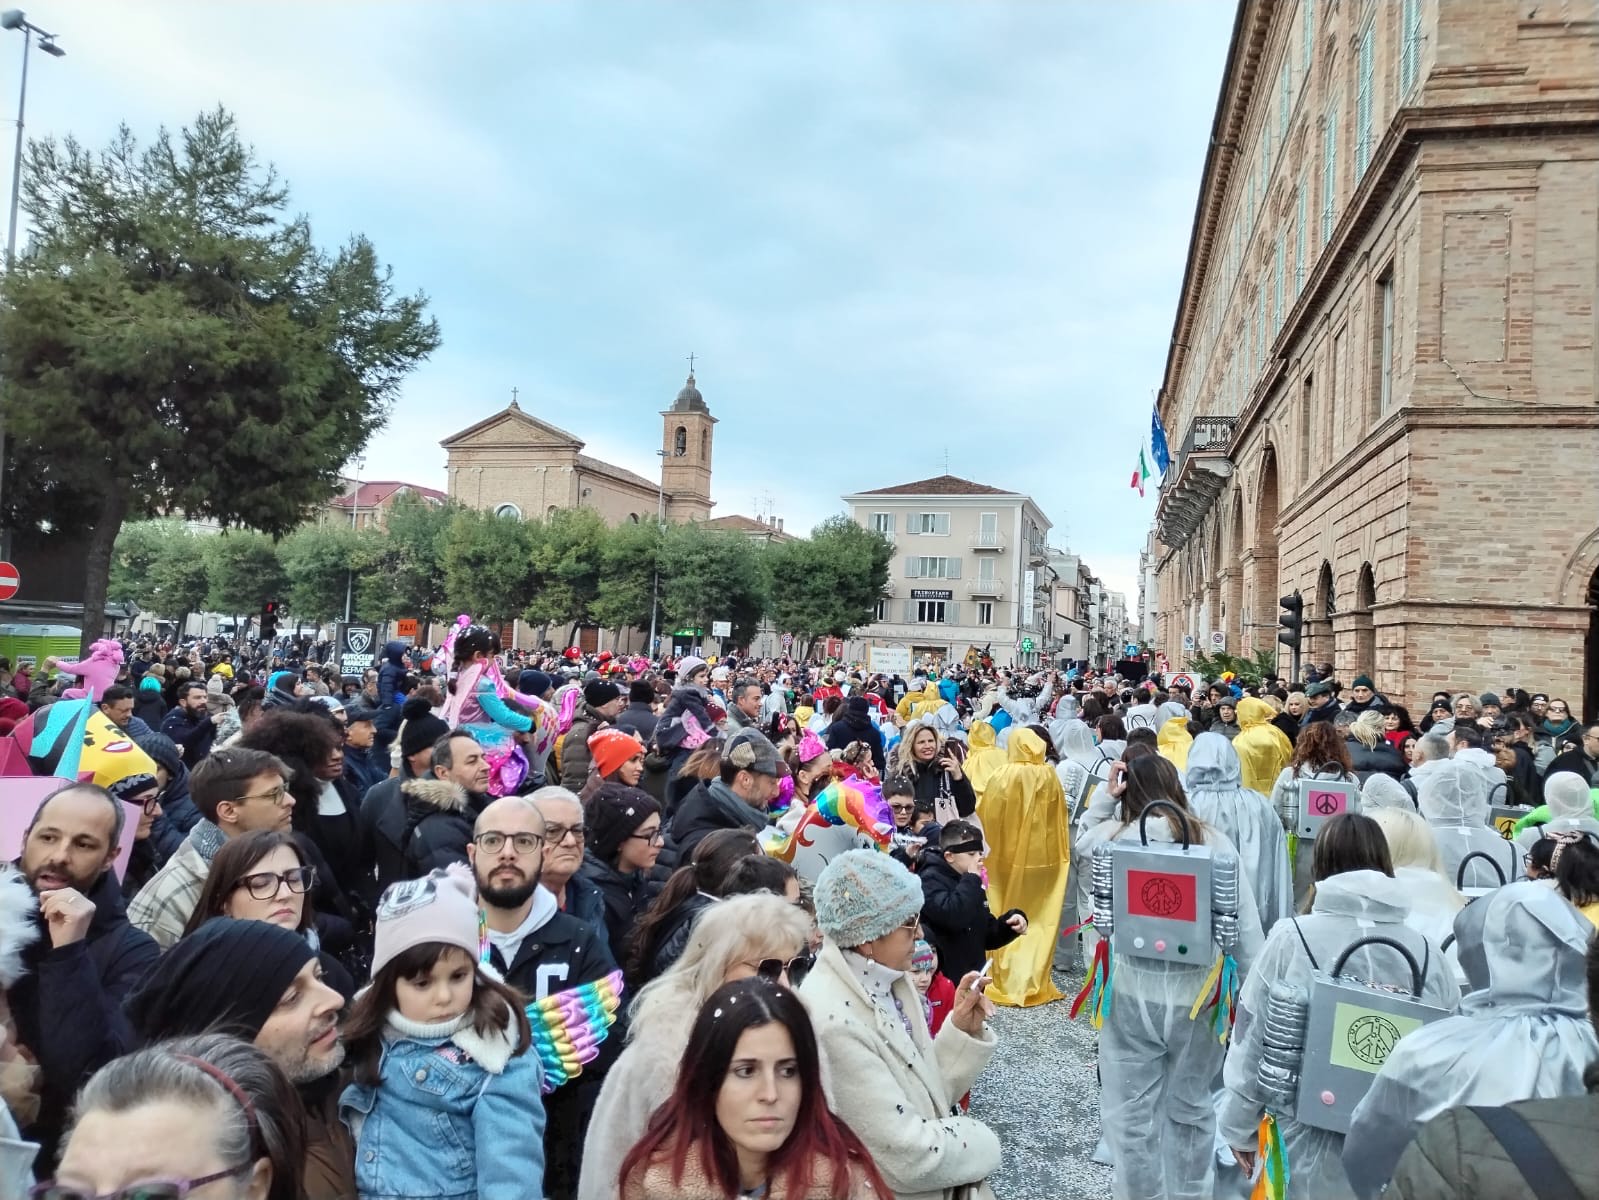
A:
[(1300, 203), (1308, 34), (1277, 291), (1329, 175), (931, 523), (1285, 96), (1409, 46), (1363, 100), (1385, 341)]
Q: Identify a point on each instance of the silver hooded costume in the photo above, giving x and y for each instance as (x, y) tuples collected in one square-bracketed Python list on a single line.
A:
[(1218, 797), (1525, 1036), (1156, 1064), (1384, 791), (1453, 796), (1348, 907)]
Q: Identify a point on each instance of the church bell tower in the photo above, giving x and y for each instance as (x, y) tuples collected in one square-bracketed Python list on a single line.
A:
[(687, 429)]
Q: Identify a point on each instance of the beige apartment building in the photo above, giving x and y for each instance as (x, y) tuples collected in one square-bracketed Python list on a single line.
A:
[(970, 568), (1381, 386)]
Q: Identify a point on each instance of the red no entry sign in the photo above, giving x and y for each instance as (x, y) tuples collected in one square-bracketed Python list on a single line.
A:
[(10, 581)]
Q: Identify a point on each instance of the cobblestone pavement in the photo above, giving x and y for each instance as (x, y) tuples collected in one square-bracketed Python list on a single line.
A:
[(1040, 1095)]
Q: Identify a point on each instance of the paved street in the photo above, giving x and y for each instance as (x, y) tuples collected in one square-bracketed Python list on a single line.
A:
[(1040, 1096)]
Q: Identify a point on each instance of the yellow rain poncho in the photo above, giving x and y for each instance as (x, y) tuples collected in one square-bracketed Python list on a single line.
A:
[(984, 757), (1174, 741), (1263, 749), (1023, 812), (924, 703)]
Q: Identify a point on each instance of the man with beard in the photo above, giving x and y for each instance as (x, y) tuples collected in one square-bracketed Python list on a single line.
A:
[(68, 1006), (540, 950), (264, 984)]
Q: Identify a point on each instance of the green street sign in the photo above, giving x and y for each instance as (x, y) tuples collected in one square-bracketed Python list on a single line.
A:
[(1027, 645)]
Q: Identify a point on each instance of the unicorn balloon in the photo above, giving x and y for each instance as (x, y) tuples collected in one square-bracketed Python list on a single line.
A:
[(844, 816)]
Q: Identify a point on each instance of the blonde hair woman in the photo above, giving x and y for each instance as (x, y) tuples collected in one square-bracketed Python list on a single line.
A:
[(936, 770)]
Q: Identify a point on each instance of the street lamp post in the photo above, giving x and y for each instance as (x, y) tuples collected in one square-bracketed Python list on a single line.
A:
[(355, 504), (15, 19), (660, 525)]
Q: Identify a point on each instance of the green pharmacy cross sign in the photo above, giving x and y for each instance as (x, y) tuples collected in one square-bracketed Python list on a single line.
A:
[(1027, 645)]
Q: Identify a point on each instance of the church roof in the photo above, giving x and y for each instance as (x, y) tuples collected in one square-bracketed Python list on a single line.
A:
[(689, 399), (939, 485), (514, 412), (595, 467), (739, 523)]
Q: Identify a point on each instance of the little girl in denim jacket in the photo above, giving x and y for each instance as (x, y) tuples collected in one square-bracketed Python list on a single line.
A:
[(446, 1102)]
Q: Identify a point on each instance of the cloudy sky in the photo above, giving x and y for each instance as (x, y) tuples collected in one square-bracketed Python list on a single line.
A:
[(891, 230)]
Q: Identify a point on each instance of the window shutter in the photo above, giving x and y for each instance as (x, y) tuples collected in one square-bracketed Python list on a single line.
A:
[(893, 519), (910, 611), (913, 567), (941, 523), (1363, 82), (952, 613), (954, 569)]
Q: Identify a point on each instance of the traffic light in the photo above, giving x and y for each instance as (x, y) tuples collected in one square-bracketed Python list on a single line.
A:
[(269, 620), (1291, 623)]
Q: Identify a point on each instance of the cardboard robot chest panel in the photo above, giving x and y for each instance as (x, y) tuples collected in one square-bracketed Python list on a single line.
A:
[(1162, 902), (1351, 1029), (1320, 800)]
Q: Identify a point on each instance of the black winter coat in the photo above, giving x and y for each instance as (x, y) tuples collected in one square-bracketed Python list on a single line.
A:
[(1381, 759), (625, 898), (1577, 761), (411, 826), (150, 706), (698, 815), (1288, 724), (932, 779), (638, 719), (68, 1006), (854, 727), (561, 954), (956, 920)]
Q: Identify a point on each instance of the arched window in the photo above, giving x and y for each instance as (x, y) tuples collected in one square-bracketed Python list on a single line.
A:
[(680, 442), (509, 510)]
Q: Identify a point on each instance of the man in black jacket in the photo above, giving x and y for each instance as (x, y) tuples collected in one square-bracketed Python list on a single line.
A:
[(1584, 760), (68, 1007), (639, 715), (540, 950), (737, 799), (189, 724)]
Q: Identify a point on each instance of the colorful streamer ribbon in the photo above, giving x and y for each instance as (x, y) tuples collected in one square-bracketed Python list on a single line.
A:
[(1219, 994), (1096, 987), (568, 1027), (1272, 1182)]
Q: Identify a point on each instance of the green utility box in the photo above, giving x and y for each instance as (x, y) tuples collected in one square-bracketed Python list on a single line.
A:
[(32, 644)]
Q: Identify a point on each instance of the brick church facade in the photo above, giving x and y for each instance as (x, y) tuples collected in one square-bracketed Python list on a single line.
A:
[(1381, 385)]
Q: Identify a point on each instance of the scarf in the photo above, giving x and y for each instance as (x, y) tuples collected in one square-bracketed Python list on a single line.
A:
[(727, 802)]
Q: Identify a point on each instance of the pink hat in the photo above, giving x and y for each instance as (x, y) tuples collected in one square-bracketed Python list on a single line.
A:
[(439, 907)]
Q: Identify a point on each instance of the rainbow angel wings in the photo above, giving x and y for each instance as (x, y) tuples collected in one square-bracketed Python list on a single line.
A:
[(569, 1026)]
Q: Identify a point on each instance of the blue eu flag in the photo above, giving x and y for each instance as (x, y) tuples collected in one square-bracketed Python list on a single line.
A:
[(1157, 442)]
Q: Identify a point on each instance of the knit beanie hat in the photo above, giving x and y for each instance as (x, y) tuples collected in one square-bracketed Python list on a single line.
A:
[(533, 683), (922, 957), (614, 814), (687, 666), (1364, 681), (226, 976), (422, 728), (610, 748), (1488, 698), (600, 691), (863, 895), (439, 907)]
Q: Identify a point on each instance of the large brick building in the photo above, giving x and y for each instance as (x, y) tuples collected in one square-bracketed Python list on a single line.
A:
[(1381, 383)]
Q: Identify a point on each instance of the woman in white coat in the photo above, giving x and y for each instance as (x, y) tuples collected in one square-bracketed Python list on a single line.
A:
[(734, 939), (893, 1083)]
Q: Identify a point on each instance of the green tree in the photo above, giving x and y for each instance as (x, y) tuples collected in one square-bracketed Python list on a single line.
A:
[(174, 342), (319, 562), (828, 585), (245, 572), (709, 575), (627, 576), (160, 566), (1247, 670), (402, 561), (566, 558), (488, 565)]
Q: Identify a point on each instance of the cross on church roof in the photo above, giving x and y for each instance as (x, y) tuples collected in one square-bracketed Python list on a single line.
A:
[(691, 362), (514, 394)]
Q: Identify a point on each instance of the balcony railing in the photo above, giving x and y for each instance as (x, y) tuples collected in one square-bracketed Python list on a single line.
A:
[(988, 539), (992, 588), (1199, 470)]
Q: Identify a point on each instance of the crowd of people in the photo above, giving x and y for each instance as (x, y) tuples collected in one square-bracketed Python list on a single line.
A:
[(492, 924)]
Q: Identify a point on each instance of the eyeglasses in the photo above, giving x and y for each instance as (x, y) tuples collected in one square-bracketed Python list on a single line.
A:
[(796, 968), (907, 806), (914, 924), (264, 884), (156, 1189), (556, 834), (494, 841), (150, 803), (653, 836), (276, 795), (1557, 708)]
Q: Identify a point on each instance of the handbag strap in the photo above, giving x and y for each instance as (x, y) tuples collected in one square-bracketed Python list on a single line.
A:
[(1529, 1153)]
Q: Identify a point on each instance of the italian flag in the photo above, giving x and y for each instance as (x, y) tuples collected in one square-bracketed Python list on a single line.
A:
[(1140, 472)]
